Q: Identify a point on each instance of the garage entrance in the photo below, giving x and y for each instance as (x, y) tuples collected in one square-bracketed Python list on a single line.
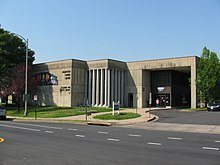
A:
[(172, 88)]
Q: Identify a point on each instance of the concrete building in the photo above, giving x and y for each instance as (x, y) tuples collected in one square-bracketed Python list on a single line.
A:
[(133, 84)]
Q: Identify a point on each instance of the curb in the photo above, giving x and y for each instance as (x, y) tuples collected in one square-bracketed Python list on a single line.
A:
[(99, 123), (152, 119)]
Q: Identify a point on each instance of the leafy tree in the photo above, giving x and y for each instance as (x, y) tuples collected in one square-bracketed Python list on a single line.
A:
[(17, 84), (12, 65), (208, 76), (12, 53)]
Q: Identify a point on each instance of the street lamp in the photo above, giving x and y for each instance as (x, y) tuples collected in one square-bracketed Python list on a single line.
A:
[(26, 74)]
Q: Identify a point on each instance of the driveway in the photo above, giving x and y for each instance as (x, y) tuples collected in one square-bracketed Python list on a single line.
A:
[(177, 116), (183, 121)]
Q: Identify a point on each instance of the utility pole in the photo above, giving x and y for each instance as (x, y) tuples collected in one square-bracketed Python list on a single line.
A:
[(26, 75)]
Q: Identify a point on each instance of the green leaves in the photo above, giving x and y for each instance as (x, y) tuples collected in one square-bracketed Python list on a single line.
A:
[(12, 56), (12, 51), (208, 76)]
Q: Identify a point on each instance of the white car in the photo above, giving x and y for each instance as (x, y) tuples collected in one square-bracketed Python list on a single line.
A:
[(3, 112)]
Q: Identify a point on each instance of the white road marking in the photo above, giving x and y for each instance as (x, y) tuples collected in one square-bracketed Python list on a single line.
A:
[(116, 140), (103, 132), (174, 138), (35, 125), (217, 141), (210, 148), (42, 126), (48, 131), (82, 136), (72, 129), (134, 135), (29, 129), (157, 144)]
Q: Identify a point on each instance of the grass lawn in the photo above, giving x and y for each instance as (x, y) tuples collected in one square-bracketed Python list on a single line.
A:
[(199, 109), (55, 112), (121, 116)]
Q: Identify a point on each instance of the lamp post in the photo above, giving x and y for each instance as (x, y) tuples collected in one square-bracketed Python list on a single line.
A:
[(26, 74)]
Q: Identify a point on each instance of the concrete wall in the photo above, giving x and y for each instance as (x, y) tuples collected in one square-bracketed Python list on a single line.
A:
[(194, 98), (138, 83), (141, 81), (146, 88), (78, 84), (130, 86), (107, 63), (72, 79), (71, 87)]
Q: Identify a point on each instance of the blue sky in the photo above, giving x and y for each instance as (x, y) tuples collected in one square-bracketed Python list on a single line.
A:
[(126, 30)]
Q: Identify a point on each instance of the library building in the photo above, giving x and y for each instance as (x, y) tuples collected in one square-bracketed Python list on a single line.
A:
[(165, 83)]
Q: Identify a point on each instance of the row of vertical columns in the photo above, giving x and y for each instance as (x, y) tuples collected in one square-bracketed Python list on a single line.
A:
[(105, 86), (116, 86)]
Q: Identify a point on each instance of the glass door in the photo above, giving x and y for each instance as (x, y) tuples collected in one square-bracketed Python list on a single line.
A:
[(164, 100)]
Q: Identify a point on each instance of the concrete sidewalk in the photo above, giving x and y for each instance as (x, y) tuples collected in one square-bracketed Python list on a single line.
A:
[(140, 122), (210, 129), (145, 117)]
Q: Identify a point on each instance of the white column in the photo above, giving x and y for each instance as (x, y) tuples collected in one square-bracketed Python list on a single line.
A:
[(119, 86), (109, 88), (90, 87), (97, 88), (93, 87), (86, 84), (106, 87), (101, 89), (116, 86), (112, 89)]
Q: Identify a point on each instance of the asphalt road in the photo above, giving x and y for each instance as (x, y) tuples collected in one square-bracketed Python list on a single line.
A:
[(188, 117), (70, 144)]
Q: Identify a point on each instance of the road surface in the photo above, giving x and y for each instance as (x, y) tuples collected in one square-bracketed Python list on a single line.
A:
[(72, 144)]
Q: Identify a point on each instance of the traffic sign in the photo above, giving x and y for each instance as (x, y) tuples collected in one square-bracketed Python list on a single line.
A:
[(35, 97)]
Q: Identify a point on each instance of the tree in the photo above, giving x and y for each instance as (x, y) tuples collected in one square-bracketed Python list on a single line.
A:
[(12, 53), (208, 76), (16, 86), (12, 65)]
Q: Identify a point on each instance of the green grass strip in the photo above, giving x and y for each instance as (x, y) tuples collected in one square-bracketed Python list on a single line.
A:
[(121, 116), (56, 112)]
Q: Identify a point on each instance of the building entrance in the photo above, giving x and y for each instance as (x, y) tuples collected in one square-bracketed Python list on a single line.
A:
[(130, 100), (164, 100), (171, 88)]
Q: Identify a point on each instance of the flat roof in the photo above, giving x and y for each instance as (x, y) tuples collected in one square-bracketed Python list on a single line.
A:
[(173, 58)]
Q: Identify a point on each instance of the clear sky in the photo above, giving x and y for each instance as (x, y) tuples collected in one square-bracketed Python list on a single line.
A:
[(126, 30)]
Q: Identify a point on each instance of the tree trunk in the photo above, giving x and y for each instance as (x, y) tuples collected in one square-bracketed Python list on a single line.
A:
[(18, 104), (6, 100)]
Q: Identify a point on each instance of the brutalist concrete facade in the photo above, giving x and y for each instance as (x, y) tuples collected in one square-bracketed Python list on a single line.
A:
[(70, 87), (70, 82)]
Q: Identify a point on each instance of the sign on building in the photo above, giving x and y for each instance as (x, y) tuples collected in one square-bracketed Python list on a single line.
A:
[(45, 78)]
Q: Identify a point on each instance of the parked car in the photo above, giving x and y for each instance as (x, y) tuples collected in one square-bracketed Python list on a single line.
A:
[(214, 106), (3, 112)]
